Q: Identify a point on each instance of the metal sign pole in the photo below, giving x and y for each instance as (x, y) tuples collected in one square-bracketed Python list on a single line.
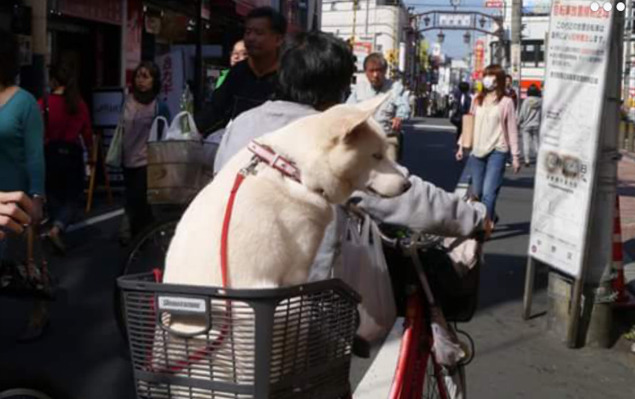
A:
[(530, 276)]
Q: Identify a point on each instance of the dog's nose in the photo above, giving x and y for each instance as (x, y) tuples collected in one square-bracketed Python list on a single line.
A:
[(406, 185)]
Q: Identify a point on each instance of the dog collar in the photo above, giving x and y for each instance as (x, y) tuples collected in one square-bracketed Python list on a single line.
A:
[(270, 157)]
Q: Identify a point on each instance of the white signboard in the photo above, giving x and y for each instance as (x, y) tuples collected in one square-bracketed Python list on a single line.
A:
[(455, 20), (107, 107), (173, 79), (577, 63)]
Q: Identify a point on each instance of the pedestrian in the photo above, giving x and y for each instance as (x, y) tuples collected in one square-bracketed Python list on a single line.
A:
[(461, 106), (510, 91), (140, 109), (495, 137), (68, 132), (21, 158), (391, 113), (529, 118), (250, 82), (239, 53), (326, 67)]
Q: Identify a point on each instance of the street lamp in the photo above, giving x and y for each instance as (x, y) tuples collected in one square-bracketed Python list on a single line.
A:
[(466, 37), (482, 21), (426, 20), (441, 36)]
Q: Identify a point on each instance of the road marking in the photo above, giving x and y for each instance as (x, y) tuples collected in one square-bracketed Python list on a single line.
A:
[(435, 127), (95, 220), (378, 378)]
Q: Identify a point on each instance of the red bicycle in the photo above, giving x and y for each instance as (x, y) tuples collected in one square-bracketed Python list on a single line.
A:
[(432, 359)]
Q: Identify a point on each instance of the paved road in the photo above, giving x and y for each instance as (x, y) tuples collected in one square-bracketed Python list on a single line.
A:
[(83, 355)]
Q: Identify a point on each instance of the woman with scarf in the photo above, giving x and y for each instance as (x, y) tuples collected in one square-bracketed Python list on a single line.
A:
[(495, 137), (139, 111)]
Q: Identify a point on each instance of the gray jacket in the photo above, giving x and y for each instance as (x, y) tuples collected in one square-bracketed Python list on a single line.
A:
[(396, 107), (530, 113), (424, 207)]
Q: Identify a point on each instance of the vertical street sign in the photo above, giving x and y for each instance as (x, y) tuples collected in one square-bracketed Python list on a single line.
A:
[(577, 66)]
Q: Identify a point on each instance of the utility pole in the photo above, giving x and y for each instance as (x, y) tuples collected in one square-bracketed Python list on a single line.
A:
[(628, 31), (517, 6), (355, 3)]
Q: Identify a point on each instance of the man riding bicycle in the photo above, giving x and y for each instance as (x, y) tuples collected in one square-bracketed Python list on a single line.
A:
[(396, 109)]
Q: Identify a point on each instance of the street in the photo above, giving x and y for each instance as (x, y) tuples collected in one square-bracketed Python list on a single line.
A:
[(83, 356)]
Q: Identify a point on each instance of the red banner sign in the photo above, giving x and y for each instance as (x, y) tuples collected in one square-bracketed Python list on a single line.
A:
[(108, 11)]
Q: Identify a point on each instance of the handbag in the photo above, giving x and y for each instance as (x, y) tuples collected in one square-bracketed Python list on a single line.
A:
[(114, 157), (364, 268)]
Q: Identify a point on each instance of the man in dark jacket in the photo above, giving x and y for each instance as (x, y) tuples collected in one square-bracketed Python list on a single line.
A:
[(462, 105), (250, 82)]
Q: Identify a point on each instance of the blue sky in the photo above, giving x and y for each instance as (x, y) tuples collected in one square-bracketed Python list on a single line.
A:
[(453, 45)]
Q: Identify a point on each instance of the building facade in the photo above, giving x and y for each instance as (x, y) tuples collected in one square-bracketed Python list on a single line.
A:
[(374, 26)]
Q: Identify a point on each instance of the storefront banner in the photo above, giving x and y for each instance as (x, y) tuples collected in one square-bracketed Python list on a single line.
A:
[(173, 79), (108, 11), (577, 62), (134, 32)]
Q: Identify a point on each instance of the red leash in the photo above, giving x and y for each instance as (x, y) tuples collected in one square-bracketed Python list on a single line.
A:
[(202, 353)]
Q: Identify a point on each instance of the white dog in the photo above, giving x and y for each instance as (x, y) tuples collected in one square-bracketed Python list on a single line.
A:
[(276, 227), (277, 223)]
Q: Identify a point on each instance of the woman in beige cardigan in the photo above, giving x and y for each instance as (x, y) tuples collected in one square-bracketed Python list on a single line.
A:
[(495, 137)]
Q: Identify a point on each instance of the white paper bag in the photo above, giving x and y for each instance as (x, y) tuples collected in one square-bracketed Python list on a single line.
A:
[(364, 268)]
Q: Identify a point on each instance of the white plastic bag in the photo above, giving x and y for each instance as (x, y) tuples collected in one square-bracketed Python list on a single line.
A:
[(364, 268), (154, 130), (183, 127)]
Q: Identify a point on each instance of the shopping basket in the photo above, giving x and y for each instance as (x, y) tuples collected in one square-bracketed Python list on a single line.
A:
[(292, 342)]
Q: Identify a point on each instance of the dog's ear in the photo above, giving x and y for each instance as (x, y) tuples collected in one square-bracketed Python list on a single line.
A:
[(354, 116), (370, 106)]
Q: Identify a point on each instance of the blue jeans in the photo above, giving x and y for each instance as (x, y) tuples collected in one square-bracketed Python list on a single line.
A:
[(487, 178)]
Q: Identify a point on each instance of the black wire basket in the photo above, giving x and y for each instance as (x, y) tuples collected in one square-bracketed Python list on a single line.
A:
[(203, 342)]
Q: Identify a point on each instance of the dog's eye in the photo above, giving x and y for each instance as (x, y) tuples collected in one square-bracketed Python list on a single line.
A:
[(378, 157)]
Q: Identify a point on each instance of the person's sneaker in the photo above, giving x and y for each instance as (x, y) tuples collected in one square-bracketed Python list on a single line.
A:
[(527, 164)]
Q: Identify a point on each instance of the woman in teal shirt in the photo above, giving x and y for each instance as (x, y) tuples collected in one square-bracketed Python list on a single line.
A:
[(21, 131), (21, 154)]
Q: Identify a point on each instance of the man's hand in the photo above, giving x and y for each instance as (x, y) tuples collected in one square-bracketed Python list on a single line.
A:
[(15, 208), (516, 165), (396, 124)]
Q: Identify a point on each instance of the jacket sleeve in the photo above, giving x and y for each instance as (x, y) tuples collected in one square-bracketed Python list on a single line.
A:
[(426, 208), (34, 147), (511, 129), (216, 115)]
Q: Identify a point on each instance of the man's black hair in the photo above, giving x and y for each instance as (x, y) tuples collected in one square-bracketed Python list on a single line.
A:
[(277, 21), (533, 91), (464, 87), (315, 69), (376, 58), (9, 64)]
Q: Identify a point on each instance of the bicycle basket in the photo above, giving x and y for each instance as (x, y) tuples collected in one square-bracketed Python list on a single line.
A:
[(204, 342), (458, 295)]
